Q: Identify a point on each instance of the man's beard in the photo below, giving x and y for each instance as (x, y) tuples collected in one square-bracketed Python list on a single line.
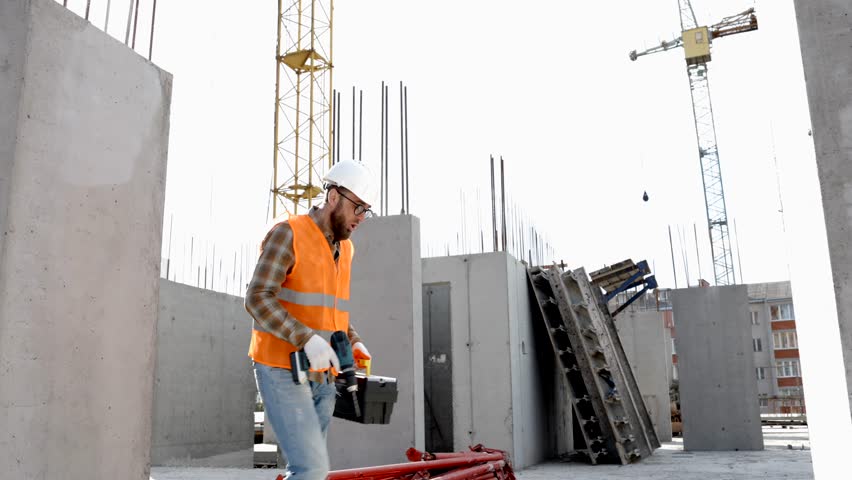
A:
[(338, 224)]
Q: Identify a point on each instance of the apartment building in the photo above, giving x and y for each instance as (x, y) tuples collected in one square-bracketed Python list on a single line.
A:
[(776, 348)]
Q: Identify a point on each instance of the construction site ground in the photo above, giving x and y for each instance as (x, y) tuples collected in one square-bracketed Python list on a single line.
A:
[(787, 455)]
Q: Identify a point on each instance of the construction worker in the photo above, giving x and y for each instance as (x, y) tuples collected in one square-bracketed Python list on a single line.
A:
[(298, 296)]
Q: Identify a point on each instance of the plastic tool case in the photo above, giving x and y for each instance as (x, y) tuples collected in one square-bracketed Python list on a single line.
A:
[(376, 396)]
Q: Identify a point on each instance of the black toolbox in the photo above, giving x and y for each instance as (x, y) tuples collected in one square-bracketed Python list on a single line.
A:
[(376, 396)]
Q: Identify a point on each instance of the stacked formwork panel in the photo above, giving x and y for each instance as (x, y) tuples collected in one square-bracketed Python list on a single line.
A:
[(614, 422), (635, 406)]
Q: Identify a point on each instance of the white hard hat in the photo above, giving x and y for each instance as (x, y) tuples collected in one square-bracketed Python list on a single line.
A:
[(353, 176)]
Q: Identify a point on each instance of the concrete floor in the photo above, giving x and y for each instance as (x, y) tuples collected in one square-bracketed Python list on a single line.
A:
[(670, 462), (783, 457)]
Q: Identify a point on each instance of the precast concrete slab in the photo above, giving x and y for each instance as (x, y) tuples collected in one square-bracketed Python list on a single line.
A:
[(817, 209), (83, 139), (643, 337), (718, 386), (821, 276), (825, 32), (500, 392), (204, 390), (386, 310)]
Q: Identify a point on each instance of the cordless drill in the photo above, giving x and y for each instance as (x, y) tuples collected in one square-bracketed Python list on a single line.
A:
[(343, 349), (299, 366)]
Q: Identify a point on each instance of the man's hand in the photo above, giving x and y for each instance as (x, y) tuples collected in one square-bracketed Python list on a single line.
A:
[(320, 354), (360, 353)]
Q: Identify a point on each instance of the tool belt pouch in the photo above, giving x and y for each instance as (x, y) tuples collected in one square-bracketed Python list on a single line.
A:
[(376, 396)]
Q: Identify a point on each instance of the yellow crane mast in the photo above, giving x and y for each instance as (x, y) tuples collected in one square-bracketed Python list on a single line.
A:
[(303, 100)]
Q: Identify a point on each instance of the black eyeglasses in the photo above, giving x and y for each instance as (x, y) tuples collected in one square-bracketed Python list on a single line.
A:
[(360, 209)]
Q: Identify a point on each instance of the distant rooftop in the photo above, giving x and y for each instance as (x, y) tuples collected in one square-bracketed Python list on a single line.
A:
[(769, 291)]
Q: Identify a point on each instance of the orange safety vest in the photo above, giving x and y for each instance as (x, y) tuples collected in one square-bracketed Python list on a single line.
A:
[(315, 292)]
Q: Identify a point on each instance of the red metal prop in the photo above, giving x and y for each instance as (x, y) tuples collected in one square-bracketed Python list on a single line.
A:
[(480, 463)]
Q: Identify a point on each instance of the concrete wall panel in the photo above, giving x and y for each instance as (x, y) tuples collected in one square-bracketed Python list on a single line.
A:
[(204, 391), (825, 33), (455, 272), (532, 362), (480, 337), (386, 309), (491, 357), (643, 337), (821, 245), (718, 388), (83, 202), (13, 38), (500, 389)]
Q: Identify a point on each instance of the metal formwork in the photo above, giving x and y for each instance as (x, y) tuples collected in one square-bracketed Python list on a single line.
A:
[(632, 402), (613, 420)]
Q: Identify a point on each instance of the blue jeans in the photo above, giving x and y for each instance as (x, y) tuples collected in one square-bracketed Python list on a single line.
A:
[(299, 416)]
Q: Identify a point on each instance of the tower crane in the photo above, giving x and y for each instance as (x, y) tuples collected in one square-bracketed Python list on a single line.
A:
[(696, 41), (303, 135)]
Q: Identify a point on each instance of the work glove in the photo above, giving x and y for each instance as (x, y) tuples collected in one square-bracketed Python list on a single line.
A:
[(360, 353), (320, 354)]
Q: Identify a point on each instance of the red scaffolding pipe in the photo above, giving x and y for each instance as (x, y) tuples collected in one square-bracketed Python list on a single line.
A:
[(383, 471), (478, 464), (472, 472), (415, 455)]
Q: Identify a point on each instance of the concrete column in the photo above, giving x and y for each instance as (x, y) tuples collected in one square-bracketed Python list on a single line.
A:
[(718, 388), (825, 33), (821, 245), (387, 311), (83, 140)]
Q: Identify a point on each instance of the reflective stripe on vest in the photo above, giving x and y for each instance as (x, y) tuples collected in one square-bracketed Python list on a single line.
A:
[(313, 299)]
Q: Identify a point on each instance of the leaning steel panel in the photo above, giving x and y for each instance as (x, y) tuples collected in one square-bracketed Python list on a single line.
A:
[(613, 420), (632, 403), (599, 446)]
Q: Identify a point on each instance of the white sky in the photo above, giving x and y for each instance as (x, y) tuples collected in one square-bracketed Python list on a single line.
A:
[(546, 84), (549, 86)]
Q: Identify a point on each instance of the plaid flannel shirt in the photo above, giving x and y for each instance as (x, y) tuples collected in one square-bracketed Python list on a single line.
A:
[(275, 262)]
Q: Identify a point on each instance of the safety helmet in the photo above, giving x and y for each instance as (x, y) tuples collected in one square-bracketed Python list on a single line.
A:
[(353, 176)]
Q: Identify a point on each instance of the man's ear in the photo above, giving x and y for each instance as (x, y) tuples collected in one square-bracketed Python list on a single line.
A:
[(332, 197)]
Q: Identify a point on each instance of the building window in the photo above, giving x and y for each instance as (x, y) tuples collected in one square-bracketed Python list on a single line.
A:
[(764, 402), (761, 373), (754, 319), (757, 344), (787, 368), (782, 311), (785, 339), (791, 392)]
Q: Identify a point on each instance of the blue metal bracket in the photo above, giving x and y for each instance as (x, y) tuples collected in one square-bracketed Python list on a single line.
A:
[(650, 283), (638, 279)]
